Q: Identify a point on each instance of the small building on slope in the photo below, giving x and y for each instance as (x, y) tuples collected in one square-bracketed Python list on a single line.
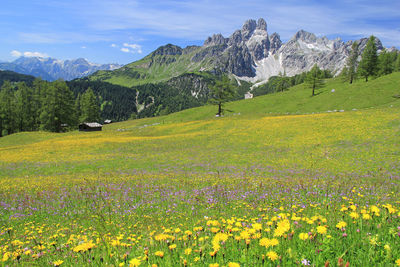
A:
[(90, 127)]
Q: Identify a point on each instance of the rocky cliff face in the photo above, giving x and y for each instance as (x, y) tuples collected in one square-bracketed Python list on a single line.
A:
[(253, 55)]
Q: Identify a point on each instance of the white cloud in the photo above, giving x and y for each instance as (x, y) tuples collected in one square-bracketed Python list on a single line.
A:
[(15, 53), (129, 48), (83, 47), (133, 48), (35, 54)]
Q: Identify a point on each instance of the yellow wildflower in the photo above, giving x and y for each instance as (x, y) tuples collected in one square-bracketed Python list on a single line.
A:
[(134, 262), (341, 225), (57, 263), (159, 254), (171, 247), (303, 236), (321, 230), (233, 264), (188, 251), (272, 255), (354, 215)]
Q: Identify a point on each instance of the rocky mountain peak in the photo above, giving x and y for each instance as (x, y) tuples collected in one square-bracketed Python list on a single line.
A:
[(261, 24), (305, 36), (168, 49), (216, 39), (248, 28)]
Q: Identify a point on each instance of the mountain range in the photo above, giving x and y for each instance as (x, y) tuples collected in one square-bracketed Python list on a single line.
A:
[(250, 54), (52, 69)]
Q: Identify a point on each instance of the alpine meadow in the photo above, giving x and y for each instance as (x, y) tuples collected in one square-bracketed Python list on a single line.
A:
[(242, 151)]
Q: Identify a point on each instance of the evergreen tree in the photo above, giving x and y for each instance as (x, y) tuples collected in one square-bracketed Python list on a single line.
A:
[(314, 79), (352, 63), (58, 108), (23, 107), (89, 107), (385, 63), (397, 63), (7, 104), (282, 82), (369, 60), (221, 92), (38, 100)]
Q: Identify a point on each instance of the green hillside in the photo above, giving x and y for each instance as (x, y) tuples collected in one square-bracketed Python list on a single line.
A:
[(381, 92), (154, 68)]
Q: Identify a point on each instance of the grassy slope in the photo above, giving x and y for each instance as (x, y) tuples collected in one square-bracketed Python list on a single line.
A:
[(156, 73), (196, 140)]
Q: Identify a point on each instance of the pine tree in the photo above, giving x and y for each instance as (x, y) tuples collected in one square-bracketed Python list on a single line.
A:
[(24, 108), (221, 92), (282, 83), (314, 79), (352, 62), (385, 63), (397, 63), (7, 108), (38, 100), (369, 60), (58, 108), (89, 107)]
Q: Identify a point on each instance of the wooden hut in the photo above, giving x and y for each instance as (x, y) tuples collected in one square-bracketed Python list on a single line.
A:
[(90, 126)]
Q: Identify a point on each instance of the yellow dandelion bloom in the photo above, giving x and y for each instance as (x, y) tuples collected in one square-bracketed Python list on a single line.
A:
[(134, 262), (321, 230), (213, 265), (257, 226), (354, 215), (303, 236), (188, 251), (57, 263), (171, 247), (159, 254), (366, 216), (398, 262), (341, 225), (233, 264), (272, 255)]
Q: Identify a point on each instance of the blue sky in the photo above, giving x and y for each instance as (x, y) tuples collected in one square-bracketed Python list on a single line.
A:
[(122, 31)]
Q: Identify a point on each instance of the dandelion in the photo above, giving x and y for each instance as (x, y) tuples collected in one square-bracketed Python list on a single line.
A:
[(398, 262), (159, 254), (58, 262), (341, 225), (303, 236), (213, 265), (354, 215), (171, 247), (321, 230), (134, 262), (188, 251), (233, 264), (272, 255)]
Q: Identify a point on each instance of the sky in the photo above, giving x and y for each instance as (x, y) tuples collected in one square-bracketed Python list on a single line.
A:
[(123, 31)]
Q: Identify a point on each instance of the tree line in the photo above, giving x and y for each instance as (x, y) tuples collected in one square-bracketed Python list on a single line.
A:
[(371, 64), (48, 106)]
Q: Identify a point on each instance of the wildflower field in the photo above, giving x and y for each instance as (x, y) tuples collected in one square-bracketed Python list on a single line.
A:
[(296, 190)]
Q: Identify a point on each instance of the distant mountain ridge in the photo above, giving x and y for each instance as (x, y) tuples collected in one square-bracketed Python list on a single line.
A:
[(250, 54), (52, 69)]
